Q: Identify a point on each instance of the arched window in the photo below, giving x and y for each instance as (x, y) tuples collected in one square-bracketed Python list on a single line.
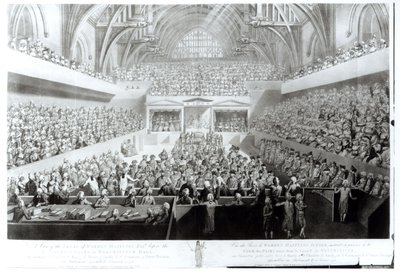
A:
[(197, 44), (368, 24), (25, 25)]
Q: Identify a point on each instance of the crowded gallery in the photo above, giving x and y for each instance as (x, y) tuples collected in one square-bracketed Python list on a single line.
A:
[(204, 121)]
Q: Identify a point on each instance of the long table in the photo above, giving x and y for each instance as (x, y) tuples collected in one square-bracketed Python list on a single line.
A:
[(45, 217), (46, 227)]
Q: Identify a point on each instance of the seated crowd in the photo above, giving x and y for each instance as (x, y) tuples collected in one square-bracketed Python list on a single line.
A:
[(165, 121), (37, 132), (197, 171), (357, 50), (352, 121), (200, 78), (38, 50), (231, 123), (196, 161), (310, 172)]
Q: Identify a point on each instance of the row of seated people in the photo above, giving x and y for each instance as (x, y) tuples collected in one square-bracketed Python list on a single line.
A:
[(197, 79), (37, 132), (191, 161), (190, 138), (165, 121), (38, 50), (318, 172), (352, 121), (231, 124), (357, 50)]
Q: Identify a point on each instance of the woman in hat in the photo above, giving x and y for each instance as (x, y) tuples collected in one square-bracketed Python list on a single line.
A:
[(345, 194)]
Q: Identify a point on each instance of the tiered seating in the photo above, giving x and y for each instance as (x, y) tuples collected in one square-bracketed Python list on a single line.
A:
[(197, 79), (357, 50), (318, 173), (38, 50), (352, 121), (37, 132)]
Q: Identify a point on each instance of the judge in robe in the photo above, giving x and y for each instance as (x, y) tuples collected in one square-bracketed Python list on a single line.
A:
[(40, 199), (103, 201), (130, 200)]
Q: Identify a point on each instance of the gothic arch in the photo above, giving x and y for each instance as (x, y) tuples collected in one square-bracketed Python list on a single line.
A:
[(36, 20)]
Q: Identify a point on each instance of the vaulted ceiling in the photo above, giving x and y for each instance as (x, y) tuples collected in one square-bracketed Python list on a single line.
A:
[(118, 29)]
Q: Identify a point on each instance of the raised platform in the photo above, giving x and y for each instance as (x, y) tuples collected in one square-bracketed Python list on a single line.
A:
[(366, 65)]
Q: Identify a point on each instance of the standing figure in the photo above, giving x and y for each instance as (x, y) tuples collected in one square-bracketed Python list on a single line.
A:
[(287, 224), (268, 214), (300, 220), (210, 206), (345, 193), (199, 253)]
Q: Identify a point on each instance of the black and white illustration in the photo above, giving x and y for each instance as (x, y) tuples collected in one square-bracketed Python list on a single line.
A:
[(199, 122)]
